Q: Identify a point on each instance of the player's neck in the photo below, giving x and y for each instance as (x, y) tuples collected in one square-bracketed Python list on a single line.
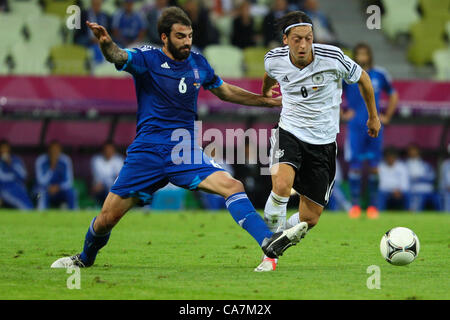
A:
[(301, 64)]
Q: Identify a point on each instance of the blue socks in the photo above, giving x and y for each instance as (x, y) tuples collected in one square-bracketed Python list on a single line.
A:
[(372, 185), (93, 242), (245, 215), (354, 180)]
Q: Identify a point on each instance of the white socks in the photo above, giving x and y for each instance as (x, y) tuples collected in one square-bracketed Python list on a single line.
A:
[(293, 220), (275, 212)]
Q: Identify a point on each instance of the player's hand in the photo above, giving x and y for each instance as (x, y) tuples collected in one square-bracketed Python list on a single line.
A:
[(384, 119), (348, 115), (272, 92), (373, 127), (99, 32)]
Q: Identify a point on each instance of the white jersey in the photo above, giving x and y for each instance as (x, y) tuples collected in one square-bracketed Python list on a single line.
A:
[(312, 95)]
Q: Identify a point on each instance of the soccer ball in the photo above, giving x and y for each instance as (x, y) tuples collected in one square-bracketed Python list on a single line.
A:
[(399, 246)]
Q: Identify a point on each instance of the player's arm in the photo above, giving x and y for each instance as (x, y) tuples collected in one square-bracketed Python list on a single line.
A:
[(234, 94), (365, 86), (110, 50), (268, 85), (392, 106)]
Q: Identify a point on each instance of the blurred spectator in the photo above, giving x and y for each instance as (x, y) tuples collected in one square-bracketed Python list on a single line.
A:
[(128, 25), (444, 183), (272, 36), (54, 176), (249, 173), (243, 28), (323, 30), (4, 6), (421, 180), (12, 179), (394, 182), (338, 201), (152, 16), (105, 169), (205, 33), (84, 36)]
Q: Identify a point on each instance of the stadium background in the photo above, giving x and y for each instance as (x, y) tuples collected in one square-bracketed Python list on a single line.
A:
[(53, 87)]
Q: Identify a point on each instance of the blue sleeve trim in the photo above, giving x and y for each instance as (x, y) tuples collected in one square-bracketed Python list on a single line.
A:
[(214, 85)]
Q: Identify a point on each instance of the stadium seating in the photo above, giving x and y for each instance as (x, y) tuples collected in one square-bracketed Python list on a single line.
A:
[(45, 29), (224, 25), (427, 36), (4, 52), (226, 60), (57, 7), (26, 63), (399, 16), (441, 61), (254, 62), (11, 26), (69, 60), (436, 9), (25, 8)]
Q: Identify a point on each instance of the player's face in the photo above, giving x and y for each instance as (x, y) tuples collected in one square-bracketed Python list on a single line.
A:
[(362, 58), (300, 41), (179, 42)]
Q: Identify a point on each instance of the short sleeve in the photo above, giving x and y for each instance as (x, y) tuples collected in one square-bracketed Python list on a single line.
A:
[(135, 64), (211, 80), (348, 69), (387, 83), (267, 67)]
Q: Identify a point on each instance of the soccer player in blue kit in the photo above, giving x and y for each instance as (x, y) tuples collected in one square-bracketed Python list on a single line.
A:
[(167, 83), (359, 146)]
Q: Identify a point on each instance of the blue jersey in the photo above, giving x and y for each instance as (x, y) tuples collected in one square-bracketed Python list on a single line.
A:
[(12, 172), (61, 175), (167, 92), (381, 81)]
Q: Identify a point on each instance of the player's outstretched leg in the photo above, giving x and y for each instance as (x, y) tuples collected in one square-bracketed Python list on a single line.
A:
[(98, 233), (243, 212)]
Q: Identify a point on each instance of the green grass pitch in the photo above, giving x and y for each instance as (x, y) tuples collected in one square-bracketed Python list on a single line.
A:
[(199, 255)]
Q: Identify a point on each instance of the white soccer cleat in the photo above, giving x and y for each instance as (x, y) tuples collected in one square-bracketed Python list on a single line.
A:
[(268, 264), (68, 262), (280, 241)]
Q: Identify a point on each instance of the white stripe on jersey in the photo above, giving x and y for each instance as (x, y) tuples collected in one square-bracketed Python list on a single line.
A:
[(312, 95)]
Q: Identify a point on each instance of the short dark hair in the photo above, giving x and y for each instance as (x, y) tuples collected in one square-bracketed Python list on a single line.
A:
[(364, 46), (4, 141), (169, 17), (292, 18)]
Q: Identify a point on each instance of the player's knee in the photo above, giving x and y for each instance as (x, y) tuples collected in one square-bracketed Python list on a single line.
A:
[(107, 219), (281, 187), (229, 186)]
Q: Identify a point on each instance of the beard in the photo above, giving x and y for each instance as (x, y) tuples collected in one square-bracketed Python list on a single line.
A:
[(179, 53)]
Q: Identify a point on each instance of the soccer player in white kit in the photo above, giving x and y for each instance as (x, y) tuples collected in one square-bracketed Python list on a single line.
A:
[(303, 147)]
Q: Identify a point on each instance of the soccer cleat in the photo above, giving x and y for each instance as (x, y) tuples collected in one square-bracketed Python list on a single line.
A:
[(280, 241), (354, 212), (68, 262), (268, 264), (372, 212)]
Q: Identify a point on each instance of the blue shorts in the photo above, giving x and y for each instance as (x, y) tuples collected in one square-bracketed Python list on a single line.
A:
[(147, 169), (360, 147)]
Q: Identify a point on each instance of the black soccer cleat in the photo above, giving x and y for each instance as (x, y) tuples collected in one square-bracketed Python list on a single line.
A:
[(280, 241)]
